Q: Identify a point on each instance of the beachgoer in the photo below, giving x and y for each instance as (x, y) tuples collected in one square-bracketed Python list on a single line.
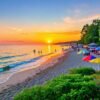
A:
[(55, 50), (34, 51), (39, 52), (62, 49)]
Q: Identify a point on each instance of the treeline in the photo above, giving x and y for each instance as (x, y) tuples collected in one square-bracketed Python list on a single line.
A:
[(91, 33)]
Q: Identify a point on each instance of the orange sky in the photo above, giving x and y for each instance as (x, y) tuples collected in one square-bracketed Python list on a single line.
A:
[(39, 37), (66, 30)]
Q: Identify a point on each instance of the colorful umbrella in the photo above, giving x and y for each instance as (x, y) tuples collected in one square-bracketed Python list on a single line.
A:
[(93, 44), (80, 52), (83, 51), (98, 48), (96, 61), (88, 58)]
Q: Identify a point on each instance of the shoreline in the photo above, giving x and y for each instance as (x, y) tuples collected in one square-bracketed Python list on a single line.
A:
[(22, 76)]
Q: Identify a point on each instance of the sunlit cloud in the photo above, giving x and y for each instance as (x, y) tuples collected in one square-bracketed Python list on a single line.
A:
[(67, 24), (78, 23)]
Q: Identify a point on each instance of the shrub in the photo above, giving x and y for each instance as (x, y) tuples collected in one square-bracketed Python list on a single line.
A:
[(64, 87), (82, 71)]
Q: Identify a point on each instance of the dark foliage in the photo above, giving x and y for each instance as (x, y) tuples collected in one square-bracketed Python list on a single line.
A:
[(91, 33), (82, 71)]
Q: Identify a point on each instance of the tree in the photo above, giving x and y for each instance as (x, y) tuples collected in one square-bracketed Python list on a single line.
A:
[(91, 33)]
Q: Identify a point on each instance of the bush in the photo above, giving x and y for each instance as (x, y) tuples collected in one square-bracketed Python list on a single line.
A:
[(64, 87), (82, 71)]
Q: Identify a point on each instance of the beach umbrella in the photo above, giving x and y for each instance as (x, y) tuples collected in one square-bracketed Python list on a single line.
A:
[(92, 44), (96, 61), (83, 51), (88, 58), (80, 52), (98, 48), (86, 52)]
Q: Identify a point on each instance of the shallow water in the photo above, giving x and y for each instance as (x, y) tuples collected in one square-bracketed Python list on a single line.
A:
[(15, 54), (20, 57)]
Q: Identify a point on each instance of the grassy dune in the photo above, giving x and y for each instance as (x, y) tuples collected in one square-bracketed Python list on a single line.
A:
[(78, 84)]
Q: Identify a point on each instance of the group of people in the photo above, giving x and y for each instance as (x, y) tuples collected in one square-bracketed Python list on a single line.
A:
[(39, 51), (86, 49), (83, 49)]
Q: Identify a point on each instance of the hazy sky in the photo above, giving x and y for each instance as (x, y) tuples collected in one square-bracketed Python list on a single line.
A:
[(22, 19)]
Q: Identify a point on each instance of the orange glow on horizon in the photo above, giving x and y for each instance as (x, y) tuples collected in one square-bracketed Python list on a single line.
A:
[(49, 41), (39, 38)]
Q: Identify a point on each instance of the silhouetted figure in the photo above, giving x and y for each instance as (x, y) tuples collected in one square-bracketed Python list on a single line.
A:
[(34, 51), (62, 49), (55, 50), (39, 52)]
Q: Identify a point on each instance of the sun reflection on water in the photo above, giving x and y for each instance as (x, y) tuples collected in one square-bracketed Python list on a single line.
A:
[(49, 49)]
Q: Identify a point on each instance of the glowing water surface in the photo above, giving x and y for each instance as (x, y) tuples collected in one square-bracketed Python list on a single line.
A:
[(22, 57)]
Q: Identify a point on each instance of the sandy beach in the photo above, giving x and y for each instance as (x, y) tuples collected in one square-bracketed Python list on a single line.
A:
[(55, 66)]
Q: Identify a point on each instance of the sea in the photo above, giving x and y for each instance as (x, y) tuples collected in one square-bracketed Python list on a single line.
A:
[(15, 58)]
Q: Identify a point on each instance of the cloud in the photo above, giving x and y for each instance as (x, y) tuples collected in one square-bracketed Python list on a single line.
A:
[(78, 23), (67, 24), (81, 20)]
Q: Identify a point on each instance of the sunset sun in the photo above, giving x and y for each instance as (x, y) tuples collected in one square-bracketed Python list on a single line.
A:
[(49, 41)]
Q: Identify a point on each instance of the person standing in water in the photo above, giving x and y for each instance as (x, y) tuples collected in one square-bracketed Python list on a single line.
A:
[(55, 50), (41, 51), (34, 51)]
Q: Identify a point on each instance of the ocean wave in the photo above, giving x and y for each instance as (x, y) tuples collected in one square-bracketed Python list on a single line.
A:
[(8, 57), (13, 65)]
